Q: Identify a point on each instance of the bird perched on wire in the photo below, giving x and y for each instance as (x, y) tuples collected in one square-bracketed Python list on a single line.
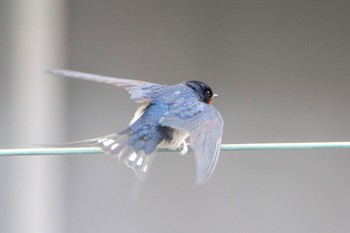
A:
[(167, 116)]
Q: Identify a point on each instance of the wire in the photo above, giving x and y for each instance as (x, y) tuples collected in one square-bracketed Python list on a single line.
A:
[(224, 147)]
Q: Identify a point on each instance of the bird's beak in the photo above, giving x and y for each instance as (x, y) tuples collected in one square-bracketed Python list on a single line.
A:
[(212, 98)]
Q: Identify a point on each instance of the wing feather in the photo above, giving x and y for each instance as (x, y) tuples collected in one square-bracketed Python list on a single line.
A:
[(205, 126), (140, 91)]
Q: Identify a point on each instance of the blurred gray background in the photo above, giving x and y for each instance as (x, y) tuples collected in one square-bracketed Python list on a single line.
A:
[(281, 68)]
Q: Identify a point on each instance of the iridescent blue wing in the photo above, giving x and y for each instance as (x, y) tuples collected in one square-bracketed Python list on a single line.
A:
[(205, 127), (140, 91)]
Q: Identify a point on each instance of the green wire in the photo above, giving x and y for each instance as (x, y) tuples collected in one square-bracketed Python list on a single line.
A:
[(224, 147)]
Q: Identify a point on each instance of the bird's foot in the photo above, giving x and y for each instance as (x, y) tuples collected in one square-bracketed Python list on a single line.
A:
[(184, 148)]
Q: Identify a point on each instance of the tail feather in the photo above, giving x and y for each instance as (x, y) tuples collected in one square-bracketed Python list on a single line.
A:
[(111, 144), (140, 162), (125, 154), (117, 145)]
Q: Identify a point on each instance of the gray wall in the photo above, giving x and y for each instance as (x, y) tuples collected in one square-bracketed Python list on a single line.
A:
[(282, 70)]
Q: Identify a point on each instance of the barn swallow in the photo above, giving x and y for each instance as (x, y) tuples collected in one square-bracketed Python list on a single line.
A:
[(168, 115)]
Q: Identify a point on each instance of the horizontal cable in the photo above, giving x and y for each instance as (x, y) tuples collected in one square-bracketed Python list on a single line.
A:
[(224, 147)]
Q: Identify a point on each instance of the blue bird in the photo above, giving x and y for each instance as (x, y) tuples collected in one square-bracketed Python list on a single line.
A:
[(167, 116)]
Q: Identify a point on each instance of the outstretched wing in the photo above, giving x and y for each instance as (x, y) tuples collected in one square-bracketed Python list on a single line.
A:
[(140, 91), (205, 126)]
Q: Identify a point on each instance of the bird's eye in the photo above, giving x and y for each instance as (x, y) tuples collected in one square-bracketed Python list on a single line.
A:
[(208, 93)]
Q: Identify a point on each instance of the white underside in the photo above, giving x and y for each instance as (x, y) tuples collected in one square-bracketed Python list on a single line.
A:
[(179, 139)]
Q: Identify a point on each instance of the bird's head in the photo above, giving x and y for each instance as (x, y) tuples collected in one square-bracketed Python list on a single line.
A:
[(204, 92)]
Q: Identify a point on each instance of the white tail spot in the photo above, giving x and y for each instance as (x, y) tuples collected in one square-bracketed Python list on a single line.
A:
[(114, 146), (139, 162), (108, 142), (133, 157), (101, 140), (144, 169)]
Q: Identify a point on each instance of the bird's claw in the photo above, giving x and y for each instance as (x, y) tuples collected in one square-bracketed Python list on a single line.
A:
[(184, 148)]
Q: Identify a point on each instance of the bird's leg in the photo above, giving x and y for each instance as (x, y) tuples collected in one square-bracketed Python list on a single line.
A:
[(184, 148)]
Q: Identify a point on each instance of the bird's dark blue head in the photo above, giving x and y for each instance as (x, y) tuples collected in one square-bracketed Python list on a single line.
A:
[(204, 92)]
